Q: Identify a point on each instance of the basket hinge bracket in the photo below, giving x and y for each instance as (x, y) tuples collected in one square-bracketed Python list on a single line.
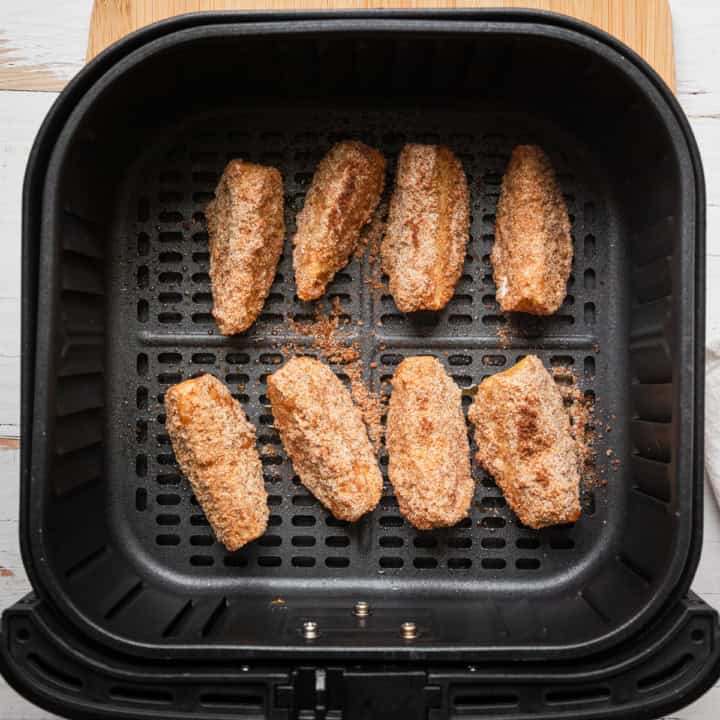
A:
[(333, 693)]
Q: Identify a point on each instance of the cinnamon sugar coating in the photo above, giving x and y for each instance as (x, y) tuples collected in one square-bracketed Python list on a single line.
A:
[(323, 432), (343, 195), (428, 228), (215, 447), (246, 229), (533, 251), (427, 442), (524, 441)]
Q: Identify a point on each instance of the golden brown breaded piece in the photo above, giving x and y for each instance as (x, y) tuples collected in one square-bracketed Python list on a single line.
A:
[(428, 228), (532, 253), (215, 447), (325, 437), (427, 442), (246, 228), (343, 195), (522, 431)]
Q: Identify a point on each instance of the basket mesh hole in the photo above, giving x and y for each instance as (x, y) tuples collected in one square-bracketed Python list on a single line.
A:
[(391, 541), (493, 522), (337, 562), (303, 540), (143, 311), (337, 541), (425, 541), (527, 543), (141, 499), (391, 562), (425, 563), (527, 563), (459, 563), (493, 563), (303, 561)]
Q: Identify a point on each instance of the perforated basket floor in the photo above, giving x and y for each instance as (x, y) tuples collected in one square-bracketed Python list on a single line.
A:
[(159, 276)]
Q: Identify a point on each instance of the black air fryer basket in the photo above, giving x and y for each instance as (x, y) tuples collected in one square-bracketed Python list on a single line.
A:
[(137, 612)]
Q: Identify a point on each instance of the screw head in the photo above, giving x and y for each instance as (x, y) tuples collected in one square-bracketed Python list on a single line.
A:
[(408, 630), (362, 608), (310, 630)]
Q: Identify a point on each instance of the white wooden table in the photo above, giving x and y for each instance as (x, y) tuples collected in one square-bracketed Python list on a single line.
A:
[(42, 44)]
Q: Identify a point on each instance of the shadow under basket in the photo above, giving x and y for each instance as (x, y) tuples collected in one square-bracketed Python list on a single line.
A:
[(137, 609)]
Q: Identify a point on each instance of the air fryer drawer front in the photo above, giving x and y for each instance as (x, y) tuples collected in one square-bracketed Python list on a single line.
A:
[(48, 662), (124, 312)]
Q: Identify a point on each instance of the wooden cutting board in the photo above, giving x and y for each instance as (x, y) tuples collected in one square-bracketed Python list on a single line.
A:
[(645, 25)]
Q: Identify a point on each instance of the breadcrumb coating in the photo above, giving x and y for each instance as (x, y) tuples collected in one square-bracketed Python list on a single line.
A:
[(343, 195), (215, 447), (524, 441), (428, 228), (246, 227), (533, 251), (427, 442), (324, 435)]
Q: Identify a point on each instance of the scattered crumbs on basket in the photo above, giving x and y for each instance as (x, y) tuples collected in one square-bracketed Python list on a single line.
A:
[(371, 404), (372, 234), (503, 333), (581, 410), (268, 451), (337, 348), (371, 240), (373, 364), (325, 337)]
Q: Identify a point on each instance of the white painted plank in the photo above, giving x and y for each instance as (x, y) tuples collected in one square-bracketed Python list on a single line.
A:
[(13, 580), (21, 114), (697, 54), (42, 42)]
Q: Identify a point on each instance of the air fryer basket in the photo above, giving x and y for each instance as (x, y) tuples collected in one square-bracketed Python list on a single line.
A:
[(113, 539)]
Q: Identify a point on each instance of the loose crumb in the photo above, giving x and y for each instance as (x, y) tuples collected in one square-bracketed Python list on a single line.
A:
[(371, 404), (324, 332), (371, 240), (581, 411), (503, 333)]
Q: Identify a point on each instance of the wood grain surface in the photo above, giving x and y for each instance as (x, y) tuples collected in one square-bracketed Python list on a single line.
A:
[(645, 25)]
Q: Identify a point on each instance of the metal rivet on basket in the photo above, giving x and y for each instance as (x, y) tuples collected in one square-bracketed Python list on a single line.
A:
[(408, 630), (362, 608), (310, 630)]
